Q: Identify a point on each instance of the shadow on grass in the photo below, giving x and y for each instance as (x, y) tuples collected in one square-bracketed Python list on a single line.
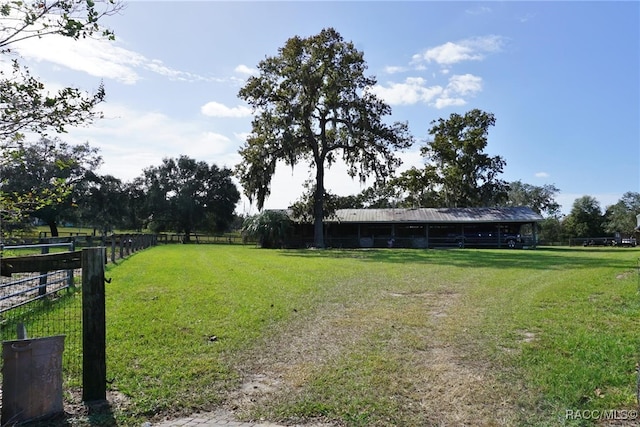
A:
[(545, 258), (92, 414)]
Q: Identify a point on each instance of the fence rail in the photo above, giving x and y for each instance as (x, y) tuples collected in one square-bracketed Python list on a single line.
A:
[(28, 278), (65, 309), (20, 292), (24, 280), (37, 296)]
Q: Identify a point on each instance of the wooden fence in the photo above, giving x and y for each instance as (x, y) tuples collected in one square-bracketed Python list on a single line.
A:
[(36, 268), (91, 261), (120, 246)]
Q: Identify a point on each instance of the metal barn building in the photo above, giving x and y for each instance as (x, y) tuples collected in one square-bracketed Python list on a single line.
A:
[(513, 227)]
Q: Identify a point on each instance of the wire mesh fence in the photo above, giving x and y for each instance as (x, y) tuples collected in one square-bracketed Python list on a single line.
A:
[(57, 311), (60, 298)]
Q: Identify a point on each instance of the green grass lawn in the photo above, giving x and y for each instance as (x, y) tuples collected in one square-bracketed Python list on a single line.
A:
[(374, 337)]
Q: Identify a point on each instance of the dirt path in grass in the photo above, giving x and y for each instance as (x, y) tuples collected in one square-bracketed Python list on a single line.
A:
[(444, 383)]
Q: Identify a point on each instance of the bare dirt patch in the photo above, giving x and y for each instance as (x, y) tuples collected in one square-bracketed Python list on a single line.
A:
[(626, 275), (284, 363), (457, 391), (528, 336), (445, 385)]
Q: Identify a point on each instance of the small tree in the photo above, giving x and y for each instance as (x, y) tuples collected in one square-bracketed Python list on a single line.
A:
[(621, 217), (551, 230), (312, 104), (585, 218), (269, 228)]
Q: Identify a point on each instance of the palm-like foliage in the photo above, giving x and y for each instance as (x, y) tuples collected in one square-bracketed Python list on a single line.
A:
[(269, 228)]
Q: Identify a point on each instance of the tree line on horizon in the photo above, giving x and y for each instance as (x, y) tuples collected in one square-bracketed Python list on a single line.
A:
[(312, 104), (185, 196)]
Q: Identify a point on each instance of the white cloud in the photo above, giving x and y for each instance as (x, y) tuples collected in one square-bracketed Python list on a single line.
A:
[(450, 53), (156, 66), (393, 69), (215, 109), (411, 158), (471, 49), (130, 140), (412, 91), (478, 10), (466, 84), (241, 136), (459, 86), (243, 69), (445, 102), (99, 58), (541, 175), (526, 18), (213, 143)]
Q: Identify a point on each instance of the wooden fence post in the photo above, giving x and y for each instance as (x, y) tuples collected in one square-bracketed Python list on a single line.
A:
[(94, 366)]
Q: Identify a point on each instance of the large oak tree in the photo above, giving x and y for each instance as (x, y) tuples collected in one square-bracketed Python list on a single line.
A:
[(186, 195), (312, 104)]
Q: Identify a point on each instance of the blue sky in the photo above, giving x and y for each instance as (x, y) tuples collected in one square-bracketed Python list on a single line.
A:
[(561, 78)]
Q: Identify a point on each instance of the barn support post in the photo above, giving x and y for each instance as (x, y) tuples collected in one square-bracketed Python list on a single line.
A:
[(426, 234), (94, 368)]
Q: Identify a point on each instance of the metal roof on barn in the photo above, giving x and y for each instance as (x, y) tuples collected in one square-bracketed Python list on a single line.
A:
[(436, 215)]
